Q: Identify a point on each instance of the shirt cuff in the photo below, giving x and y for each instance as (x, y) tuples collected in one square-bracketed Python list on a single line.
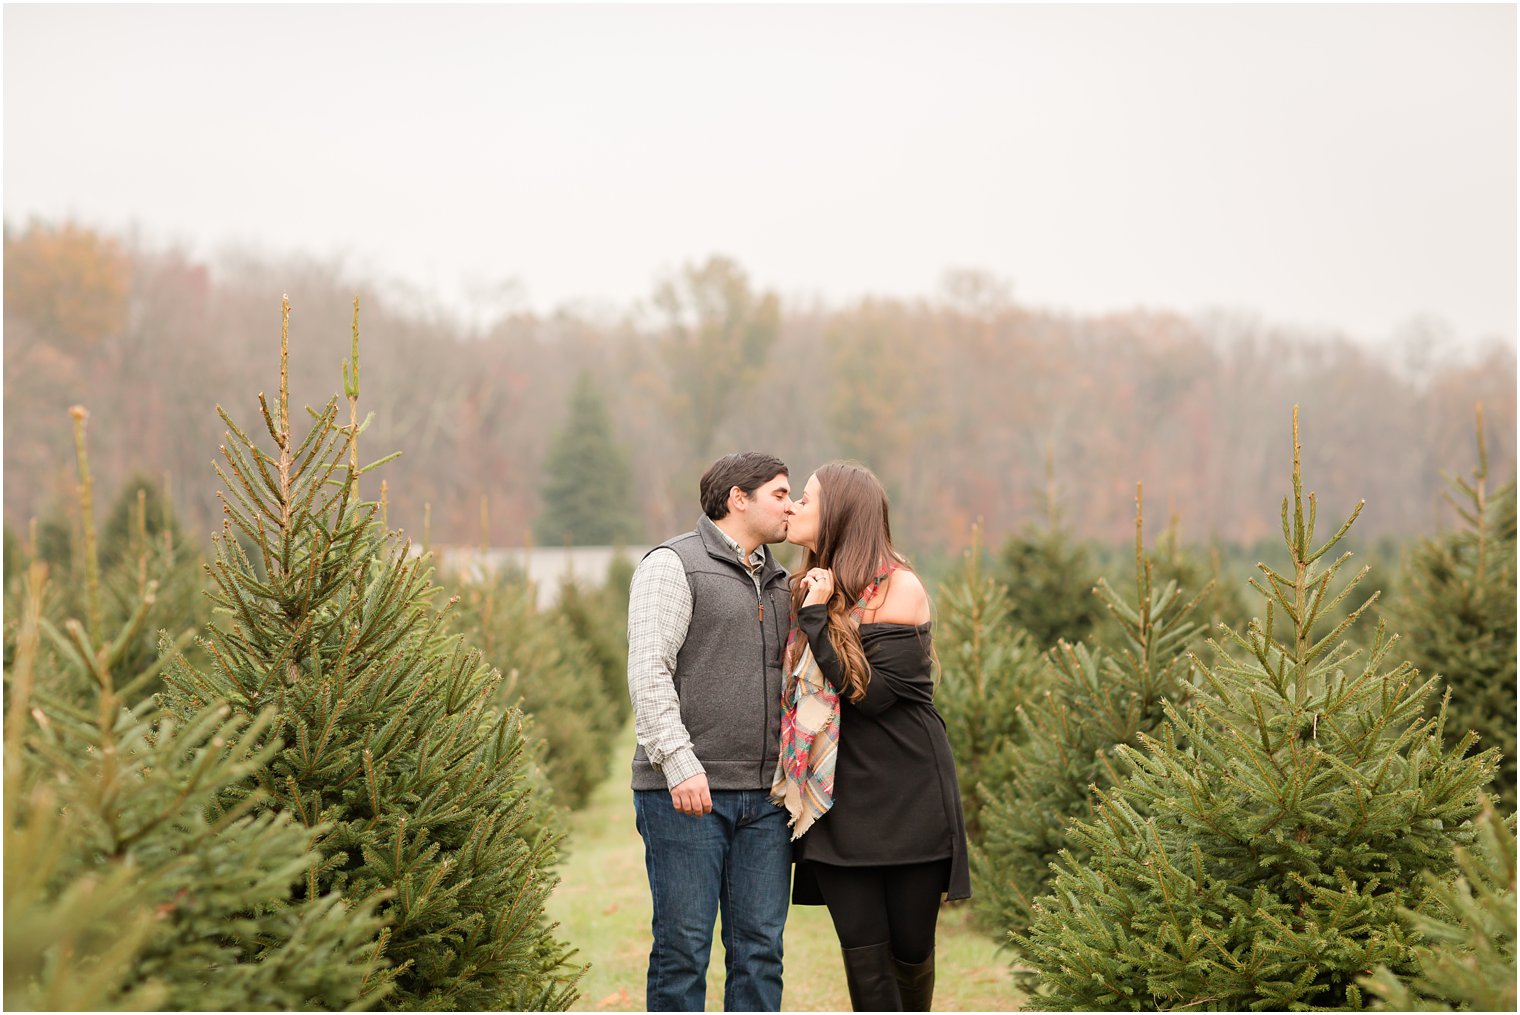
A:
[(680, 766)]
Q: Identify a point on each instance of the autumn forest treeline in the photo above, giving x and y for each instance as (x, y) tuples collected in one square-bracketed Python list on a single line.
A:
[(969, 405)]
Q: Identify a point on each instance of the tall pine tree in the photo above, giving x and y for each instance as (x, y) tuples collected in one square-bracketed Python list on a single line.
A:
[(551, 675), (388, 743), (1221, 601), (139, 543), (1097, 699), (1466, 929), (989, 669), (1046, 573), (588, 490), (130, 882), (1459, 611), (1259, 851), (597, 617)]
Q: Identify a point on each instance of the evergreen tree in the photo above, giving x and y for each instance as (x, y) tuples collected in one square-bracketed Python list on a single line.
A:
[(597, 617), (620, 584), (1046, 573), (1467, 932), (1257, 854), (1220, 602), (388, 745), (12, 553), (551, 675), (142, 537), (1459, 611), (55, 540), (104, 581), (1098, 698), (141, 513), (16, 559), (129, 882), (588, 490), (989, 669)]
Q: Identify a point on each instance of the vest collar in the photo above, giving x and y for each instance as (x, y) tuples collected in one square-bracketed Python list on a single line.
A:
[(718, 547)]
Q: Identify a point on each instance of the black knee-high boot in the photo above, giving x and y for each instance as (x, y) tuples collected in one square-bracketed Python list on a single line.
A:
[(871, 975), (915, 983)]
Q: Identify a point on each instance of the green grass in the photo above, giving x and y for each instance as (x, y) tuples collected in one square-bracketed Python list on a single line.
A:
[(602, 905)]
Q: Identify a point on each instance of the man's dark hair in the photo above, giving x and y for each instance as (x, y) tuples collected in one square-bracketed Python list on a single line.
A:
[(748, 470)]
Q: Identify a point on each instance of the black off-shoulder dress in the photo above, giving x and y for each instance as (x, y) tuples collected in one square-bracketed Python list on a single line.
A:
[(896, 799)]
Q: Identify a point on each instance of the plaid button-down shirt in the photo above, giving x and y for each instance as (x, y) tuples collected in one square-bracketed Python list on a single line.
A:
[(659, 611)]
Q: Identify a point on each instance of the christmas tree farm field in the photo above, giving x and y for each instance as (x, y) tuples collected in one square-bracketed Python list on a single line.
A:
[(602, 905), (1289, 839), (333, 805)]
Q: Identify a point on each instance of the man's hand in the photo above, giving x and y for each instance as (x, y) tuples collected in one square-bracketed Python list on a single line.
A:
[(692, 796)]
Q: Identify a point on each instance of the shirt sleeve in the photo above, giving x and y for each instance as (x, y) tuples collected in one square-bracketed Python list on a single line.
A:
[(814, 621), (659, 612)]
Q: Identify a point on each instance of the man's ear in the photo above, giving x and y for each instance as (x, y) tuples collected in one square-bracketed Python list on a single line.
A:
[(736, 498)]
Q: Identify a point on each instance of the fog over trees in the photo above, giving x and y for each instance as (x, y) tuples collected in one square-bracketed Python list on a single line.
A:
[(968, 405)]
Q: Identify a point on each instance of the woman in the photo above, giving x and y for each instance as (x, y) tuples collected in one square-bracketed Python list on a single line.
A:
[(890, 839)]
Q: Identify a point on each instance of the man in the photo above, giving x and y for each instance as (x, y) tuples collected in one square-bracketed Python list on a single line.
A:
[(707, 622)]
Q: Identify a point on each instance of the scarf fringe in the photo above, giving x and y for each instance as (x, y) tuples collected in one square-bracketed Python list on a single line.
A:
[(804, 780)]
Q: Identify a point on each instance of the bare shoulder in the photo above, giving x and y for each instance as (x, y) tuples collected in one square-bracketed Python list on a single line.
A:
[(906, 601)]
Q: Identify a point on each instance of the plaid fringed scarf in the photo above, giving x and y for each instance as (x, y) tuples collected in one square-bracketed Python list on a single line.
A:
[(804, 782)]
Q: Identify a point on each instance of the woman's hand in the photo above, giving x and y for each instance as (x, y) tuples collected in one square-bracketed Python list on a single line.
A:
[(819, 583)]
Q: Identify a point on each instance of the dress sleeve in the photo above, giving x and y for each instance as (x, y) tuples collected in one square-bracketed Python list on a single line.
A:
[(879, 696), (814, 621)]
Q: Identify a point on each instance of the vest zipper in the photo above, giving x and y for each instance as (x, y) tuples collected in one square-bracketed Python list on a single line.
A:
[(760, 593)]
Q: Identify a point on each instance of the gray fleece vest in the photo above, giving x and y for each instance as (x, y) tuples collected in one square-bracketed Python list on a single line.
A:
[(728, 671)]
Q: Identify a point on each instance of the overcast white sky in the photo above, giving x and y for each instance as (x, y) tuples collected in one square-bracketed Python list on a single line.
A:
[(1337, 167)]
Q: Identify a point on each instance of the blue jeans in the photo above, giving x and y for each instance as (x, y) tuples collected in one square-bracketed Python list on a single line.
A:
[(737, 861)]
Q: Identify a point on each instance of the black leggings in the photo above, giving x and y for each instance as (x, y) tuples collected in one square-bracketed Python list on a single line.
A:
[(899, 904)]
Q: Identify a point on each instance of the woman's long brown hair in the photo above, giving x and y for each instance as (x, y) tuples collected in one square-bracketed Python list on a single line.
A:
[(855, 542)]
